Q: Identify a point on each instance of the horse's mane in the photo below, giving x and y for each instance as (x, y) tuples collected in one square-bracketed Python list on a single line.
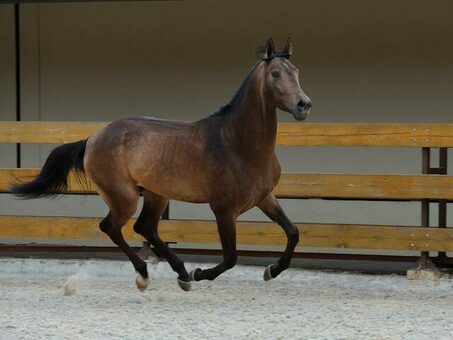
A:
[(223, 110)]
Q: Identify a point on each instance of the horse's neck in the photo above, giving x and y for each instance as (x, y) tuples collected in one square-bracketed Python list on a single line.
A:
[(252, 126)]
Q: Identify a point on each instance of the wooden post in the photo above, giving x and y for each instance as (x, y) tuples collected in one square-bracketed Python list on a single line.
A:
[(443, 164), (425, 268)]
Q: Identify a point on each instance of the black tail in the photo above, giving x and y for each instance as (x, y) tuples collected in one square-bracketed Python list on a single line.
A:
[(53, 178)]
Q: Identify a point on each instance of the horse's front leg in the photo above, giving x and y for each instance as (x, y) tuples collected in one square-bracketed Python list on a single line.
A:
[(274, 211), (226, 226)]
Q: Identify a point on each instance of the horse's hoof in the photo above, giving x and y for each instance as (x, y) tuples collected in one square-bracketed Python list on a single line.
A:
[(141, 282), (193, 272), (267, 273), (184, 285)]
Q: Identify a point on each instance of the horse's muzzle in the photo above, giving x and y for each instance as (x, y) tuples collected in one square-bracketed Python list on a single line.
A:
[(300, 115), (302, 110)]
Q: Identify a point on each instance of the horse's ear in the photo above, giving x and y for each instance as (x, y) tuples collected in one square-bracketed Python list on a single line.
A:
[(269, 49), (289, 47)]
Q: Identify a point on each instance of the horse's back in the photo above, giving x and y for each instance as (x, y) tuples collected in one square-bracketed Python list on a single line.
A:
[(125, 131)]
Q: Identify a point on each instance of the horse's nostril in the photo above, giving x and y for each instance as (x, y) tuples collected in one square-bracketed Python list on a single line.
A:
[(301, 105)]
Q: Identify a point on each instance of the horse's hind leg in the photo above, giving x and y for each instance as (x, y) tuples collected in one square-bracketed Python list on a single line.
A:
[(226, 226), (272, 209), (122, 206), (146, 225)]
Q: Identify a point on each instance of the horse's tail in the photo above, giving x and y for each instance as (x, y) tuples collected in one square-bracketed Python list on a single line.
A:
[(53, 178)]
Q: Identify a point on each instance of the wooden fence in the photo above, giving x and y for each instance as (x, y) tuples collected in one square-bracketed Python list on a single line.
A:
[(432, 185)]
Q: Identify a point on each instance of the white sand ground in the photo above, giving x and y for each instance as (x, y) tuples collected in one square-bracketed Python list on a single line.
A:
[(300, 304)]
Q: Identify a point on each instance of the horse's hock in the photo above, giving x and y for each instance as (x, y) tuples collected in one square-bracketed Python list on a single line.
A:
[(432, 185)]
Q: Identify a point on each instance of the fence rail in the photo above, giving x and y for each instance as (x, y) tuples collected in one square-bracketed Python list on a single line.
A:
[(310, 185), (366, 135), (315, 235), (434, 185)]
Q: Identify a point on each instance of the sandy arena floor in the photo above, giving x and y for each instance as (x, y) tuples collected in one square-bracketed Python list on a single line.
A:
[(300, 304)]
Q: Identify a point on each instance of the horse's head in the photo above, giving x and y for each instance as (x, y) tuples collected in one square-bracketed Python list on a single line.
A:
[(281, 81)]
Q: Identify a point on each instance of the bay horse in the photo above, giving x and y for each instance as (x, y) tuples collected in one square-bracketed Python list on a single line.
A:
[(226, 160)]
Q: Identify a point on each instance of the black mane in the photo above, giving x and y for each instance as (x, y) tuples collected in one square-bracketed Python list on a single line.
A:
[(223, 110)]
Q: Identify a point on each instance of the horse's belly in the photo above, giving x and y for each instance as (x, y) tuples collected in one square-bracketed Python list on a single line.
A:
[(176, 187), (171, 166)]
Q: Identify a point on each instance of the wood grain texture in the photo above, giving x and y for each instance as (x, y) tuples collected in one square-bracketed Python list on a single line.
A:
[(371, 135), (289, 134), (358, 186), (302, 185), (46, 132), (33, 228)]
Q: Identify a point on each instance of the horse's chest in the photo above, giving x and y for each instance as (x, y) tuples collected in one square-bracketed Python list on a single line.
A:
[(263, 183), (250, 185), (258, 182)]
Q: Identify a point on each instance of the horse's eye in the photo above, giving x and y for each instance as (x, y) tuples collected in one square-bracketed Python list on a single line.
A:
[(276, 74)]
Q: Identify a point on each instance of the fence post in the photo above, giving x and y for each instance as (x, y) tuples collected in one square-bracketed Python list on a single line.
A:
[(425, 268), (442, 222)]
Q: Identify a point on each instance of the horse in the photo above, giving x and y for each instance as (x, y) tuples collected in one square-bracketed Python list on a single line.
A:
[(226, 160)]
